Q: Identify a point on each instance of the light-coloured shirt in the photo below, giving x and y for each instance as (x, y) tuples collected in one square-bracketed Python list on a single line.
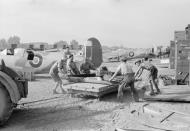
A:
[(125, 68)]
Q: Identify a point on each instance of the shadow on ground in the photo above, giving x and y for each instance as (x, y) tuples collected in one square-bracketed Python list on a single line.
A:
[(75, 117)]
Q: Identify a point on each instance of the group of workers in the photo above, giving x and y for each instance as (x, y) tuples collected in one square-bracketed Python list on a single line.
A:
[(67, 67), (129, 77)]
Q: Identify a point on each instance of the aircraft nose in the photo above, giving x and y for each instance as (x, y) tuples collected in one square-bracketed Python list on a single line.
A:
[(20, 62)]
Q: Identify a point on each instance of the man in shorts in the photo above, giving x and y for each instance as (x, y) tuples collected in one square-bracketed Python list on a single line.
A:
[(71, 66), (58, 67), (67, 52), (151, 76), (128, 79)]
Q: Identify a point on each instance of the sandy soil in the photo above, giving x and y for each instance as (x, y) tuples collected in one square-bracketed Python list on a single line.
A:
[(62, 112)]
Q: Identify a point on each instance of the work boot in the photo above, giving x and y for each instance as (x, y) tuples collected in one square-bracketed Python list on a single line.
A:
[(151, 93), (55, 92), (63, 91), (158, 92)]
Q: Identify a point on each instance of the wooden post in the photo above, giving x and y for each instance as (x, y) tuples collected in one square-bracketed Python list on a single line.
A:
[(176, 61), (189, 67)]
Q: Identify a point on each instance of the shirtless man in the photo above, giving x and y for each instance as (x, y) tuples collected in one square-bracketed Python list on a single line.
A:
[(58, 67), (128, 79)]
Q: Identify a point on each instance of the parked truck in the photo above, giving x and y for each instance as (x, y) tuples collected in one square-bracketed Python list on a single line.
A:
[(12, 88)]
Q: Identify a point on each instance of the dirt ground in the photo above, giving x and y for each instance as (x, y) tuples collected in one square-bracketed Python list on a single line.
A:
[(61, 112)]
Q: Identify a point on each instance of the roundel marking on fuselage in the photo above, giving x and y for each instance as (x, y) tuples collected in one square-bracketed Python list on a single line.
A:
[(131, 53), (37, 61)]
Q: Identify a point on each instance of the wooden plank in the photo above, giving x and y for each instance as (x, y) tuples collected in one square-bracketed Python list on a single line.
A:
[(96, 90), (173, 118), (92, 92), (167, 117), (151, 121), (171, 93), (130, 129), (89, 87), (177, 112)]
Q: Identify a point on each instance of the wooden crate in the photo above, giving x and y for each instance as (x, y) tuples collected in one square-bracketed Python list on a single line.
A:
[(172, 55), (182, 55), (91, 89)]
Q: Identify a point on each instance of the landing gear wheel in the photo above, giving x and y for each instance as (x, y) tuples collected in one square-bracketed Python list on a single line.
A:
[(6, 105)]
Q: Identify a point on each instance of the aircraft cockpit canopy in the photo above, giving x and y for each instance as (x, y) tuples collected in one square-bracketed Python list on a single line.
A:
[(8, 52), (21, 52)]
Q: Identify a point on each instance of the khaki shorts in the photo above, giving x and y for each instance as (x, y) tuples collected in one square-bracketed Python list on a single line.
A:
[(128, 79), (55, 77), (153, 74)]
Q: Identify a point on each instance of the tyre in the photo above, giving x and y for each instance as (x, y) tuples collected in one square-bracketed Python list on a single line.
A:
[(6, 105)]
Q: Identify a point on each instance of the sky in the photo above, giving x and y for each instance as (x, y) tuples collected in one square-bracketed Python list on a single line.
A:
[(131, 23)]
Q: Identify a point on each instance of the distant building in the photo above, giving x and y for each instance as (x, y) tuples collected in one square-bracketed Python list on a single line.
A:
[(74, 45), (4, 46), (80, 47), (179, 35), (187, 32), (34, 45), (60, 45), (8, 46), (50, 46)]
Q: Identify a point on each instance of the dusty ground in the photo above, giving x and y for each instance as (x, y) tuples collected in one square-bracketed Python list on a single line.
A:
[(62, 112)]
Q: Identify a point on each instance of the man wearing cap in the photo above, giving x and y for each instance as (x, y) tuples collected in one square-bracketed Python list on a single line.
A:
[(58, 67), (128, 79), (86, 66), (151, 76), (67, 53), (138, 62), (71, 66)]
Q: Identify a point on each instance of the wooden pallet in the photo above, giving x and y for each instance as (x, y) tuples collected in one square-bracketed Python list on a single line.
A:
[(91, 89)]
